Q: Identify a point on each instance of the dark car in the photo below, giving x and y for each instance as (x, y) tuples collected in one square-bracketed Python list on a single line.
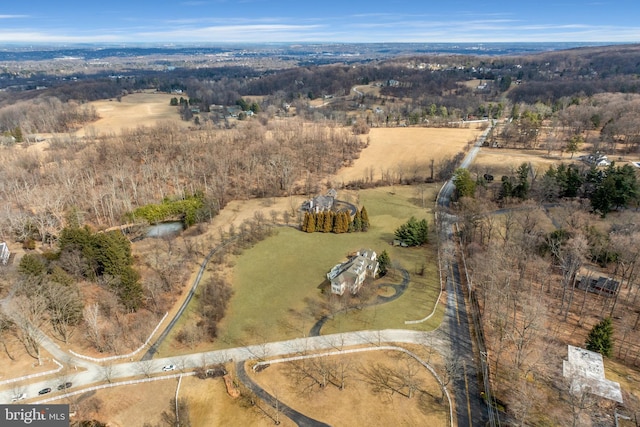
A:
[(45, 391), (65, 385)]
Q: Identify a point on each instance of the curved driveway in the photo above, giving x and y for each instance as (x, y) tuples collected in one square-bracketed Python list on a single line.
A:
[(399, 288)]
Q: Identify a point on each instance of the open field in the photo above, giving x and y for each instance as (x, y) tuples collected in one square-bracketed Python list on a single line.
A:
[(501, 161), (358, 403), (138, 109), (406, 150), (134, 405)]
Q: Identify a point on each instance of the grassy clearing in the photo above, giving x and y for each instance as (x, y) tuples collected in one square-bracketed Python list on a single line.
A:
[(406, 151), (502, 161), (277, 282)]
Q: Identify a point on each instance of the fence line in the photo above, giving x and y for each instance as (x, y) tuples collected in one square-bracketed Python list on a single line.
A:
[(39, 374), (116, 384), (133, 353), (480, 342)]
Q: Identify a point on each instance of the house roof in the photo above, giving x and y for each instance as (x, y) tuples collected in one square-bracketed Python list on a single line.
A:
[(353, 267), (585, 369)]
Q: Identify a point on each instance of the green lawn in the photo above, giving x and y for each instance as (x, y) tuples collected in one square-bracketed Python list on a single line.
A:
[(277, 283)]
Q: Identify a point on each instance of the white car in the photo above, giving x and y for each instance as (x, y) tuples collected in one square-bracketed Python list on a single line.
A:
[(19, 396), (169, 368)]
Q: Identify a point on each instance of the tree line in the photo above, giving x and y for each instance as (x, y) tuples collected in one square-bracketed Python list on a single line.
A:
[(336, 222)]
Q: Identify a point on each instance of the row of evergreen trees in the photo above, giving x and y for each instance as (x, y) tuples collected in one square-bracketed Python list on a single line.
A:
[(336, 222)]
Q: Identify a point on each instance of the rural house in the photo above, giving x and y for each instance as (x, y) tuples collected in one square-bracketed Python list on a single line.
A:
[(320, 203), (4, 253), (602, 285), (351, 274)]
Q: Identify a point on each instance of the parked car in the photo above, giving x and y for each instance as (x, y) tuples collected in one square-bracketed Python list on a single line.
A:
[(19, 396), (169, 368), (64, 385), (45, 390)]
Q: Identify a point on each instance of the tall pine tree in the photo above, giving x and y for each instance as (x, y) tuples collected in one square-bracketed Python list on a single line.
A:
[(364, 218), (310, 222), (327, 225), (600, 338), (357, 221)]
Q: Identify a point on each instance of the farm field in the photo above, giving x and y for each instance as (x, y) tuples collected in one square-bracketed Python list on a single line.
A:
[(501, 161), (406, 150), (137, 109)]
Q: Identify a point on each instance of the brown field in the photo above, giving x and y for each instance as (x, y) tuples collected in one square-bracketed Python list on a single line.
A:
[(134, 405), (359, 405), (502, 161), (408, 149), (210, 405), (138, 109)]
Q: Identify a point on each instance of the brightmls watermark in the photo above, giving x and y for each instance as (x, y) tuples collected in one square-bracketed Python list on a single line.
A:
[(34, 415)]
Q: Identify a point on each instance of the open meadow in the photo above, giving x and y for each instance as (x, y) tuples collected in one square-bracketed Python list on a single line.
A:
[(137, 109), (406, 151)]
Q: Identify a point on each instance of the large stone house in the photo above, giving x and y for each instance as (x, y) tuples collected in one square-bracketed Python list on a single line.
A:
[(320, 203), (350, 275)]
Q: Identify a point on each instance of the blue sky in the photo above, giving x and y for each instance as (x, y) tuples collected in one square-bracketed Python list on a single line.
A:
[(218, 21)]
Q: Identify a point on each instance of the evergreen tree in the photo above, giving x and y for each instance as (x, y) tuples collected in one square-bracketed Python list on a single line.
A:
[(327, 224), (357, 221), (364, 217), (310, 222), (383, 263), (33, 266), (521, 190), (465, 185), (600, 338), (346, 221), (413, 232), (319, 217), (305, 222)]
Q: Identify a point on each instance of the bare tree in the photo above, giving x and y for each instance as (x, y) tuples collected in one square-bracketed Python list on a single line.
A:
[(91, 315), (107, 372), (6, 328), (452, 370), (30, 316), (145, 367)]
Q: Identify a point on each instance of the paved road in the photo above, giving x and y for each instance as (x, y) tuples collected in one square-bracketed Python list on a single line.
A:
[(470, 408), (91, 374), (298, 418)]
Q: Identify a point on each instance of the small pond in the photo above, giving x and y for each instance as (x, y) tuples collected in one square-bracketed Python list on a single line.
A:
[(164, 229)]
